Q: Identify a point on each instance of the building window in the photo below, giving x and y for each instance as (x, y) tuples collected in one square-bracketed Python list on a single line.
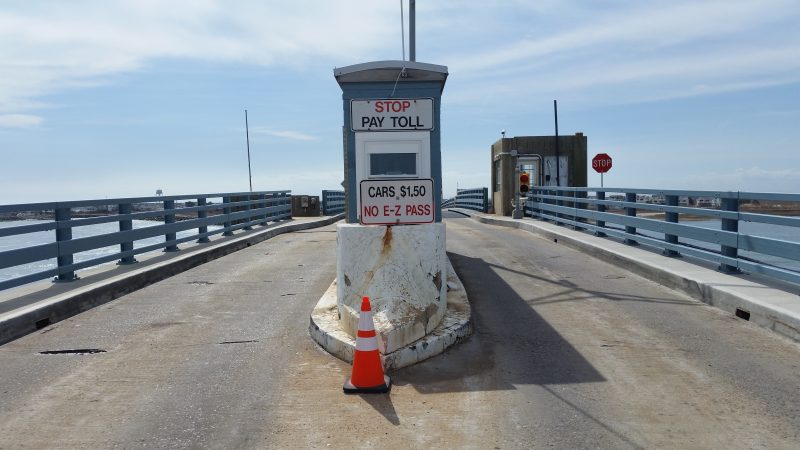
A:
[(393, 164), (498, 179)]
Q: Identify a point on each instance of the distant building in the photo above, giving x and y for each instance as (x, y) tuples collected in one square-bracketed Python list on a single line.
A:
[(707, 202), (537, 156)]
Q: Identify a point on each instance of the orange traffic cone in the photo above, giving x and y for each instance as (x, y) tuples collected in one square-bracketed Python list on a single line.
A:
[(367, 376)]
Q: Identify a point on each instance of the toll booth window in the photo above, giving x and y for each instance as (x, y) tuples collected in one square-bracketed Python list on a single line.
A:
[(498, 177), (393, 164)]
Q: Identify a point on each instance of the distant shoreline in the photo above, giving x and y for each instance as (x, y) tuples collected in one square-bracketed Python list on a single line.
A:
[(790, 211), (51, 216)]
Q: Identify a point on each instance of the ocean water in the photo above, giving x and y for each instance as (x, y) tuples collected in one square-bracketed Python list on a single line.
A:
[(784, 233), (26, 240), (45, 237)]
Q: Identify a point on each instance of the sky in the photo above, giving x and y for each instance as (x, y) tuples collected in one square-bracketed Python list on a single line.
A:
[(104, 99)]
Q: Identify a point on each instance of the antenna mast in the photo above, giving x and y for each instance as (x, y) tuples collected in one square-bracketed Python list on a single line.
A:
[(247, 131), (412, 30), (558, 156), (402, 30)]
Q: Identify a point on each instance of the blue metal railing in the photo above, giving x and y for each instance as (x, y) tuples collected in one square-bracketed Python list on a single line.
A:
[(332, 203), (476, 199), (634, 215), (234, 211)]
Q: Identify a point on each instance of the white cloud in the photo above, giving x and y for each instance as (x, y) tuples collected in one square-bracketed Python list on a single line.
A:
[(632, 52), (287, 134), (745, 179), (621, 51), (310, 180), (49, 46), (633, 26), (19, 121), (652, 77)]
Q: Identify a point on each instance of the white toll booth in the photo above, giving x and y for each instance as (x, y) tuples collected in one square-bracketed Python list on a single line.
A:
[(392, 247)]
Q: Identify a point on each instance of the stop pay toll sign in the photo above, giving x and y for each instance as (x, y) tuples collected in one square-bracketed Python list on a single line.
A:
[(396, 201), (398, 114)]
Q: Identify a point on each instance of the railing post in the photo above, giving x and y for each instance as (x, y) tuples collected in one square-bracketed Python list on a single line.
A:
[(546, 201), (601, 208), (630, 197), (226, 210), (169, 217), (202, 214), (576, 205), (559, 202), (287, 201), (247, 208), (64, 234), (275, 202), (263, 205), (125, 225), (531, 200), (732, 225), (671, 217)]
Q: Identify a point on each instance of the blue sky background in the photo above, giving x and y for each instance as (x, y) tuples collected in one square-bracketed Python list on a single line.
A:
[(113, 99)]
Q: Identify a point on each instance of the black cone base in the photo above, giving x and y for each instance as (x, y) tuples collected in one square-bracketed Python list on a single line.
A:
[(348, 387)]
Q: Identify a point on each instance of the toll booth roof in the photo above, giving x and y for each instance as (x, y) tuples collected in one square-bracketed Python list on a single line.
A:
[(377, 71)]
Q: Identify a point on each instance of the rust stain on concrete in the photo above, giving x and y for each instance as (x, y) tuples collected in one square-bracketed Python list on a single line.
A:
[(437, 281), (387, 241)]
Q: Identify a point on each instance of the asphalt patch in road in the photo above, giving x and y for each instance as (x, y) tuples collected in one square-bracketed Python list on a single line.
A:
[(76, 351)]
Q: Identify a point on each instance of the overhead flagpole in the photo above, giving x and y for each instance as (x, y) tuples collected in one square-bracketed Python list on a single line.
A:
[(247, 132), (412, 31), (402, 30), (558, 157)]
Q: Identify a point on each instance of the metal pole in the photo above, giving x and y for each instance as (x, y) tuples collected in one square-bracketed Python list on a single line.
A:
[(601, 179), (412, 30), (247, 132), (402, 30), (558, 157)]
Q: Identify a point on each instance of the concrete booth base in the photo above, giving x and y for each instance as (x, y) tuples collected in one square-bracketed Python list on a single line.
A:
[(402, 269), (405, 272), (456, 325)]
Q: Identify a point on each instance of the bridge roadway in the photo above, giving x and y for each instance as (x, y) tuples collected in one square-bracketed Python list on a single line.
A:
[(568, 352)]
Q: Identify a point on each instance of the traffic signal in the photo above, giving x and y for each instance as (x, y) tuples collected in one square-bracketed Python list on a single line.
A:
[(524, 182)]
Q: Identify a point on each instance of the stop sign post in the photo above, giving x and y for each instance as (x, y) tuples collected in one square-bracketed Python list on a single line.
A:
[(601, 163)]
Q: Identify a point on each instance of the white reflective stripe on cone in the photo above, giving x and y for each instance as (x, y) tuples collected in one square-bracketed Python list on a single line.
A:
[(365, 322), (366, 344)]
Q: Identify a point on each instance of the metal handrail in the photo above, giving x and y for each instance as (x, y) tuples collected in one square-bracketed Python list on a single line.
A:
[(587, 208), (235, 211), (476, 199), (332, 202)]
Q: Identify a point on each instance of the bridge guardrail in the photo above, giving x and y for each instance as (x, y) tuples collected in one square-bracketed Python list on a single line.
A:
[(476, 199), (615, 212), (238, 210), (332, 202)]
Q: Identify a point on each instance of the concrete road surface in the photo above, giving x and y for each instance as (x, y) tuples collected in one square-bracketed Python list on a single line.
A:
[(568, 352)]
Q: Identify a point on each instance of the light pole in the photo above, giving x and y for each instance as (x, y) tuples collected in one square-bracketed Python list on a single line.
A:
[(247, 132)]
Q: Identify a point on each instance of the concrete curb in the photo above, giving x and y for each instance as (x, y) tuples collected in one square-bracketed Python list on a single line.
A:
[(29, 318), (771, 308), (456, 326)]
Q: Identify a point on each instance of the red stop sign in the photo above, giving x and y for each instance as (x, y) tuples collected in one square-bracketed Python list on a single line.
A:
[(601, 163)]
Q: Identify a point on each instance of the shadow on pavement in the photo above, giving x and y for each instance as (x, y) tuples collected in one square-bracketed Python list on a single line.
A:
[(573, 292), (511, 343), (383, 404)]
